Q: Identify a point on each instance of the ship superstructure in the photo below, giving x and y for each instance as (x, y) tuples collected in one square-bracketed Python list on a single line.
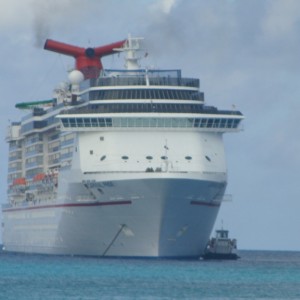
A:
[(122, 163)]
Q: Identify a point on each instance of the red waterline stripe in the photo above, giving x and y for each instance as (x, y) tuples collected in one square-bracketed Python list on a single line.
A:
[(205, 203), (70, 205)]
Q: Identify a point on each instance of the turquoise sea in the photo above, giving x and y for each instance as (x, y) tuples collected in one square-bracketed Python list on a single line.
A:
[(257, 275)]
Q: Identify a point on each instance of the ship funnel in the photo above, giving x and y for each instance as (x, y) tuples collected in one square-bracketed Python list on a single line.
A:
[(88, 60)]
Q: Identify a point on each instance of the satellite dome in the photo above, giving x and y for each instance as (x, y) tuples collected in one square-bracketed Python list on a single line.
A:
[(76, 77)]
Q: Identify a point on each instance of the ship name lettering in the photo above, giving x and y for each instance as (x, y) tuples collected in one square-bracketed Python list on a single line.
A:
[(95, 184)]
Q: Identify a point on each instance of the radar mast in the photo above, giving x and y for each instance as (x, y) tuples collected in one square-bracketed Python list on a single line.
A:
[(131, 47)]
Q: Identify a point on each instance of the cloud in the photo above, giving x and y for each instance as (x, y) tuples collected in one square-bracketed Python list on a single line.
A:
[(282, 19), (43, 18), (10, 16), (54, 14), (164, 6)]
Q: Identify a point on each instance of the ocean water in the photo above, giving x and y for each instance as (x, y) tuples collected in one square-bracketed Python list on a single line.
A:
[(257, 275)]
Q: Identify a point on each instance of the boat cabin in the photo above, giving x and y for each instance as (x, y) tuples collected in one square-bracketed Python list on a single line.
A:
[(222, 234)]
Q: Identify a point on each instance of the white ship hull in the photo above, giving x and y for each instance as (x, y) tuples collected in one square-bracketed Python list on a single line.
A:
[(161, 218)]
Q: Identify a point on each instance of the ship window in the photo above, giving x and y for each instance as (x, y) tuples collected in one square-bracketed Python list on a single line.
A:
[(65, 122), (138, 107), (188, 157), (94, 122), (207, 157), (117, 122), (145, 94), (131, 122), (229, 123), (235, 123), (216, 123), (72, 122), (149, 157), (139, 122), (91, 152), (175, 122), (160, 122), (108, 122), (125, 157), (168, 122), (79, 122), (146, 122), (101, 138), (190, 122), (203, 122), (210, 123), (153, 122), (102, 122), (164, 157), (102, 157), (124, 122), (223, 123)]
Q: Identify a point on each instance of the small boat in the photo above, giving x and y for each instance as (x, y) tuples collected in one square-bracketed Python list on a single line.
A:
[(221, 247)]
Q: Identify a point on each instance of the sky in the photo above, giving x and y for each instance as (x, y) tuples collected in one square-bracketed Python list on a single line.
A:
[(246, 54)]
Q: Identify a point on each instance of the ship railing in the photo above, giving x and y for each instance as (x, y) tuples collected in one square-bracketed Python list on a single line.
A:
[(6, 205), (152, 81), (15, 147), (156, 170), (135, 172)]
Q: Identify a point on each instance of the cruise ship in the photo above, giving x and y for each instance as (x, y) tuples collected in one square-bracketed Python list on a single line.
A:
[(119, 162)]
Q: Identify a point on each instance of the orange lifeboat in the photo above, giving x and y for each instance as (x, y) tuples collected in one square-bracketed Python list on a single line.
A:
[(19, 181), (39, 177)]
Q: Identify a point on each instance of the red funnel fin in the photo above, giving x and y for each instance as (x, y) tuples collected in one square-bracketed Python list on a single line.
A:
[(88, 60)]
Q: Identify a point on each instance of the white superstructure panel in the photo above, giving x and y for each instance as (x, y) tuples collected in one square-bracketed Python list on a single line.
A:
[(138, 150)]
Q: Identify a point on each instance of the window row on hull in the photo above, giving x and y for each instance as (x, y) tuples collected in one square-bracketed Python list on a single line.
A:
[(140, 108), (147, 93), (38, 124), (221, 123)]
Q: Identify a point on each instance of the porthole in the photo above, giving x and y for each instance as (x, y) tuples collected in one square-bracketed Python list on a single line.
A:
[(207, 157), (188, 157), (103, 157), (164, 157), (101, 138), (149, 157), (125, 157), (91, 152)]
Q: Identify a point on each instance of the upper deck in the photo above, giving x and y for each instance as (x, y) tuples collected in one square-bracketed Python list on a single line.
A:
[(144, 77)]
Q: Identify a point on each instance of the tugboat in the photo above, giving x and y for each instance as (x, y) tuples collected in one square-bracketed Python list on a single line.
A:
[(221, 247)]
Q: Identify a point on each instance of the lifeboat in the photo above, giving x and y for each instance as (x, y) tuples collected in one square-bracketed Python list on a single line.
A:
[(19, 181), (39, 177)]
